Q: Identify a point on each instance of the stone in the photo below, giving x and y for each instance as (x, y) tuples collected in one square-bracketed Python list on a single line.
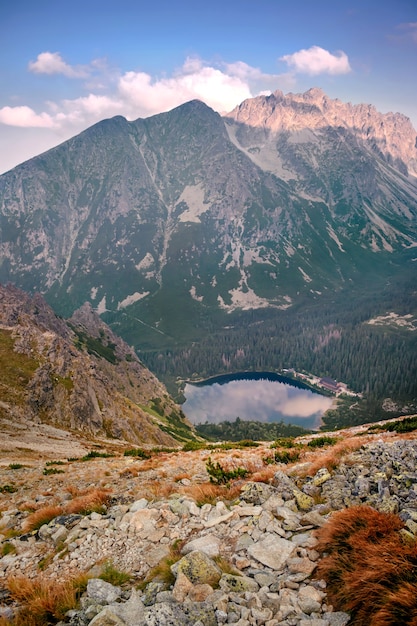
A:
[(301, 565), (230, 582), (138, 505), (272, 551), (102, 592), (304, 502), (322, 476), (218, 520), (338, 618), (107, 617), (198, 568), (182, 587), (143, 520), (155, 554), (200, 592), (131, 612), (209, 544), (178, 615), (59, 535), (309, 599)]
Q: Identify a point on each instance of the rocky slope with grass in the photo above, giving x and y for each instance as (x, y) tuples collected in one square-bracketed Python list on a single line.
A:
[(78, 377), (222, 534)]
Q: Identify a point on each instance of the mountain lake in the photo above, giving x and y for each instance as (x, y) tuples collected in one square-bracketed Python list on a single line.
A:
[(256, 396)]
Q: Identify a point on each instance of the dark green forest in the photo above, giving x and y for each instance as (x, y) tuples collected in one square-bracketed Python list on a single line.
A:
[(244, 429), (326, 337)]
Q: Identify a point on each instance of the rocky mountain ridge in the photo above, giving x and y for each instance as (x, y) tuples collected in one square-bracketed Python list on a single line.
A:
[(390, 135), (78, 376)]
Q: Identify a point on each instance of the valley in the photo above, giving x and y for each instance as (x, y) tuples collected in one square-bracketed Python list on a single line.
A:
[(273, 237)]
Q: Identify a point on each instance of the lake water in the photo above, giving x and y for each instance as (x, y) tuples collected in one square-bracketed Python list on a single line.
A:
[(262, 397)]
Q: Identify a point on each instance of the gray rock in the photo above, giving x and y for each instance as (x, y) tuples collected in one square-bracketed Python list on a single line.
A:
[(107, 617), (167, 614), (209, 544), (138, 505), (102, 592), (229, 582), (272, 551), (198, 568)]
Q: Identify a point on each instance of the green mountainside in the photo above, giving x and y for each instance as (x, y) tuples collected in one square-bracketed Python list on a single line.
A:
[(269, 238)]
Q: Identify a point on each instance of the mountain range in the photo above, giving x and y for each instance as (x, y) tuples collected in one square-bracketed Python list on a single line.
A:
[(176, 226)]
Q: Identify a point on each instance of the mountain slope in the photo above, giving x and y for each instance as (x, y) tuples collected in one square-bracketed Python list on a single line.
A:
[(174, 226), (78, 376)]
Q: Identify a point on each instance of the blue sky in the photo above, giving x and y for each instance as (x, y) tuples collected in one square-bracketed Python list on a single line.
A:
[(68, 64)]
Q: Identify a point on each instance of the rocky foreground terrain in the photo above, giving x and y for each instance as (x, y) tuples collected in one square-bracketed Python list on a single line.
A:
[(194, 552)]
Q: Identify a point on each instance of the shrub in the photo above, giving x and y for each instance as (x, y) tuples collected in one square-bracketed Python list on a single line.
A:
[(320, 442), (284, 442), (8, 548), (137, 452), (370, 569), (283, 456), (221, 476), (93, 454), (51, 470), (15, 466), (193, 445), (8, 489)]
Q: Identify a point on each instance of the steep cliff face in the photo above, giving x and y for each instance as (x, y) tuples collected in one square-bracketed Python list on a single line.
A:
[(168, 223), (79, 377), (389, 135)]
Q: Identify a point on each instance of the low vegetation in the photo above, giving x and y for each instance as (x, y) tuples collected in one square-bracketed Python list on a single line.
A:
[(241, 430), (83, 504), (220, 475), (369, 566), (43, 600), (114, 576)]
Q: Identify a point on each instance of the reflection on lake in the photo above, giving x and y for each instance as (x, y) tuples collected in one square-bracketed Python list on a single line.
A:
[(258, 397)]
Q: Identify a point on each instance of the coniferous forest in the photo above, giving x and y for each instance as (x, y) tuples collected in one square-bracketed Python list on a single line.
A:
[(327, 338)]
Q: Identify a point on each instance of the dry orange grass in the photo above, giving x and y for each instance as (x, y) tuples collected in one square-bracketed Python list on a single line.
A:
[(42, 516), (209, 493), (370, 570), (90, 501), (332, 457), (43, 601), (159, 489), (264, 475)]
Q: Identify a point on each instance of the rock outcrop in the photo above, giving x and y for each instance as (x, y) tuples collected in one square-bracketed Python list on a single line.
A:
[(79, 376)]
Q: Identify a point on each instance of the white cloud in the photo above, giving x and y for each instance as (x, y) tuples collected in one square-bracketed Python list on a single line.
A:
[(316, 61), (194, 80), (53, 63), (24, 116), (408, 32)]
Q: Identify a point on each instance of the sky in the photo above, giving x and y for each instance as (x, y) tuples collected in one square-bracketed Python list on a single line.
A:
[(65, 65)]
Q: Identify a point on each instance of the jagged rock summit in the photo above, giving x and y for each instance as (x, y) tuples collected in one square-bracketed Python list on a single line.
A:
[(77, 376), (390, 135)]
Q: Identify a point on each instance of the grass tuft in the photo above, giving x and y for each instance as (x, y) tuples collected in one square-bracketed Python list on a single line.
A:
[(42, 516), (112, 575), (370, 570), (44, 601)]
